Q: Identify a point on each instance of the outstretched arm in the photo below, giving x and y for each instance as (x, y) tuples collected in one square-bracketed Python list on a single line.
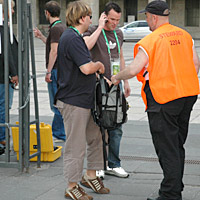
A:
[(39, 35), (140, 61)]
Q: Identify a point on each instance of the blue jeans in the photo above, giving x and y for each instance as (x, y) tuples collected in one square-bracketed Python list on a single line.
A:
[(57, 123), (114, 146), (2, 107)]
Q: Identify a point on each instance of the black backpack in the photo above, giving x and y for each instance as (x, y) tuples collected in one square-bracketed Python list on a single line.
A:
[(111, 107), (110, 110)]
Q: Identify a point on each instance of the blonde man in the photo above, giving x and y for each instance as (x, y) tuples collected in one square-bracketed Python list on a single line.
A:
[(74, 99)]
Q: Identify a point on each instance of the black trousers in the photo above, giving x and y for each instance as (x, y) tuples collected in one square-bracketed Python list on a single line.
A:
[(169, 129)]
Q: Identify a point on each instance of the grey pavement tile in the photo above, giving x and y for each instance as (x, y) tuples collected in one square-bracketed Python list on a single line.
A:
[(54, 193), (136, 110), (137, 151), (192, 180), (193, 170), (140, 117), (40, 58), (191, 153), (33, 185), (197, 196), (196, 120), (191, 193), (196, 105), (149, 168), (5, 172), (130, 167)]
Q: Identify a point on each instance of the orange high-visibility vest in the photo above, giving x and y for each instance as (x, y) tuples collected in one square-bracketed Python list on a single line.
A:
[(171, 69)]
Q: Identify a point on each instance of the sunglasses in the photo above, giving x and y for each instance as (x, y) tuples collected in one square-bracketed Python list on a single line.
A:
[(90, 16)]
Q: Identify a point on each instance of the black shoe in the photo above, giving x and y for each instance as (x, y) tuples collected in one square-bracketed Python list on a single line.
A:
[(2, 149), (157, 198)]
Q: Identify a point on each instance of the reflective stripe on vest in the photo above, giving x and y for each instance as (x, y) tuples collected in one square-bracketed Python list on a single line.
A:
[(172, 72)]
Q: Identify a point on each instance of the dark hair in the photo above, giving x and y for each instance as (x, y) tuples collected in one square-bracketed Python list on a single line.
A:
[(111, 5), (53, 8)]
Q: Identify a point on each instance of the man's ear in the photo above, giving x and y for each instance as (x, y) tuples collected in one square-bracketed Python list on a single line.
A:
[(155, 18), (47, 13), (82, 20)]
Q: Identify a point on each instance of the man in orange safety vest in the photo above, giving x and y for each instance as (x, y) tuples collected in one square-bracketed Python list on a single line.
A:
[(167, 64)]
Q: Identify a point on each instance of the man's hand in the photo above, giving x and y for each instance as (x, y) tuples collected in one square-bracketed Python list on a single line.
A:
[(48, 78), (108, 81), (14, 80), (37, 33), (114, 80), (101, 68), (102, 20)]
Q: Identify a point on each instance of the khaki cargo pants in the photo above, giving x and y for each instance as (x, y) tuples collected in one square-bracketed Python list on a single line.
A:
[(81, 132)]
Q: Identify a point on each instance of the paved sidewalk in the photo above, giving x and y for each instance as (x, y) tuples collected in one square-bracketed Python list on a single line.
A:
[(137, 153)]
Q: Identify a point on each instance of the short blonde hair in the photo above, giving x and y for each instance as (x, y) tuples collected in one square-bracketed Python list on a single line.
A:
[(76, 10)]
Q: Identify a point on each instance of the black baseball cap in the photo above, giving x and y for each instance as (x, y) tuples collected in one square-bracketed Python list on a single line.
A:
[(158, 7)]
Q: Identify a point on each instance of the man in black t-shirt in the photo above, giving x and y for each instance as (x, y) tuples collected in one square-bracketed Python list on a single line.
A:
[(74, 99), (56, 28)]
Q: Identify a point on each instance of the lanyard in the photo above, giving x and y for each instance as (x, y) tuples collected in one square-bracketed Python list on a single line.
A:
[(55, 23), (75, 30), (108, 43)]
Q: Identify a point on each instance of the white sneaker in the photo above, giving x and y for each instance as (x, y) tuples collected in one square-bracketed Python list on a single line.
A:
[(56, 140), (118, 171), (59, 141), (100, 174)]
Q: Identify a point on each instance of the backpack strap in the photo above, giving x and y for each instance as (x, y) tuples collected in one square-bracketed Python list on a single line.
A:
[(105, 157), (117, 100), (125, 106), (102, 82)]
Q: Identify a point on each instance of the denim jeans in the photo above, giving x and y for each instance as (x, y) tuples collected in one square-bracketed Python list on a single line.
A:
[(2, 107), (114, 146), (57, 123)]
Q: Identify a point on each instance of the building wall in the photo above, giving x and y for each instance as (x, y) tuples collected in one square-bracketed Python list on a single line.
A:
[(141, 5), (95, 10), (177, 16)]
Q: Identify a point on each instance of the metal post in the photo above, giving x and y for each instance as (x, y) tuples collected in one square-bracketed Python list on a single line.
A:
[(34, 84), (20, 62), (6, 67), (23, 63), (25, 32), (26, 90)]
